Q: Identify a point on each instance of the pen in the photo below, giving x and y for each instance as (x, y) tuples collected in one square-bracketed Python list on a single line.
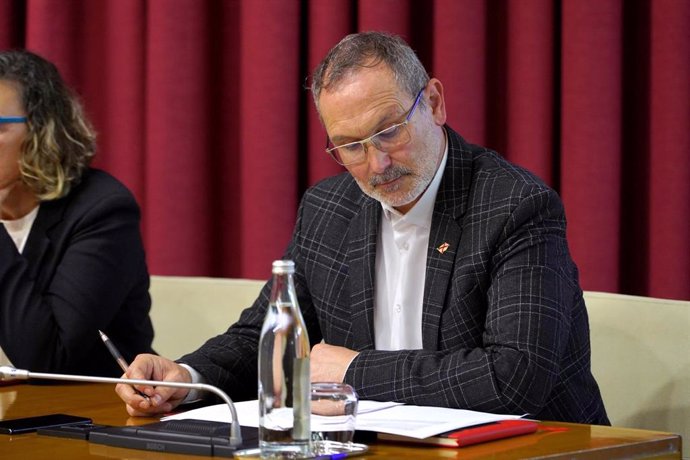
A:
[(118, 357)]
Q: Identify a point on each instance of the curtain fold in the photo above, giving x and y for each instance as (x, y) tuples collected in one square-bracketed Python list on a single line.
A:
[(531, 110), (269, 100), (202, 110), (178, 148), (459, 61), (326, 24), (591, 136), (668, 181)]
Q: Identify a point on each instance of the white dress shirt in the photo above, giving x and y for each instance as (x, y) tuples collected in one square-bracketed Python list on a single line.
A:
[(19, 229), (401, 252)]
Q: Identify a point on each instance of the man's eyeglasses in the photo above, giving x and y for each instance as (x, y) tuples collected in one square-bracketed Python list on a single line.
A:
[(386, 140), (13, 120)]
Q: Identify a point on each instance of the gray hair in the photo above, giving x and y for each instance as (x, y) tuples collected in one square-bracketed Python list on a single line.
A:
[(369, 49)]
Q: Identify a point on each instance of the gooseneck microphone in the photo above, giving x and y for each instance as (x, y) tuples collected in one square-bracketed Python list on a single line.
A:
[(11, 373)]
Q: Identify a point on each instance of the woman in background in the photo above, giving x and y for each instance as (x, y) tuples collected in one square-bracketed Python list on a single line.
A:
[(71, 254)]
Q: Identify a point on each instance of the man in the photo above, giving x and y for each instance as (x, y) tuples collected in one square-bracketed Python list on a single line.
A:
[(435, 272)]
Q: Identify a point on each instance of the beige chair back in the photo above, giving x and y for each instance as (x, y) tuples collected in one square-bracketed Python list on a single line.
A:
[(641, 359), (186, 311)]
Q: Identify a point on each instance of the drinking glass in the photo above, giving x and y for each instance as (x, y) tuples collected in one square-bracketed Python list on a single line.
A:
[(334, 412)]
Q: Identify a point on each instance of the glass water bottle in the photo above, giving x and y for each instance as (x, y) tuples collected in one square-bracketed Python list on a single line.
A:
[(284, 386)]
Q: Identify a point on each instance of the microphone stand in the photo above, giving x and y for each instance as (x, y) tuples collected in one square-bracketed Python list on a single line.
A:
[(10, 373)]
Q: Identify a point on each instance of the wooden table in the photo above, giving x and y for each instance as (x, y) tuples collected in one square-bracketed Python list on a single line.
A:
[(99, 402)]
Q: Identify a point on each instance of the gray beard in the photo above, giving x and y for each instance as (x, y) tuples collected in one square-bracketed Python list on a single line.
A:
[(420, 183)]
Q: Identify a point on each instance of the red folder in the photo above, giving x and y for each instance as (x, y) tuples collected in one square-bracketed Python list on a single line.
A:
[(471, 435)]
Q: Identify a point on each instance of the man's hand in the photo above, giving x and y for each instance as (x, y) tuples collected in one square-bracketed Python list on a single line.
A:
[(161, 399), (329, 363)]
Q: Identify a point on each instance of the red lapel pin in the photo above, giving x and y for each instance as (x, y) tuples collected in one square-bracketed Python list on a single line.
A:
[(443, 248)]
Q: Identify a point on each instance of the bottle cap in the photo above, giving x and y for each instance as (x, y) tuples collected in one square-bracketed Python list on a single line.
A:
[(283, 266)]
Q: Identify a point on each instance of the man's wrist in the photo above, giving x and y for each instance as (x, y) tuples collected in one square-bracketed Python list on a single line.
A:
[(348, 366), (193, 394)]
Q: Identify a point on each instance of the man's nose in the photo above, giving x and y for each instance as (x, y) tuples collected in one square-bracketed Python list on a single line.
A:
[(379, 160)]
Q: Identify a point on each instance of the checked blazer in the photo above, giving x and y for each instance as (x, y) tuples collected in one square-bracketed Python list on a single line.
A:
[(504, 324)]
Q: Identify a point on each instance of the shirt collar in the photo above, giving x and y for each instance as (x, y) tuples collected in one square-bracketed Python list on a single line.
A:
[(421, 212)]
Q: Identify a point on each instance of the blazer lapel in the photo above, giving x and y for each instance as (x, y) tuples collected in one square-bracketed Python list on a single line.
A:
[(37, 245), (361, 260), (444, 237)]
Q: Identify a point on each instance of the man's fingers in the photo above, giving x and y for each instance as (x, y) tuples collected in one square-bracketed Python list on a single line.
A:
[(138, 406), (147, 399), (134, 412)]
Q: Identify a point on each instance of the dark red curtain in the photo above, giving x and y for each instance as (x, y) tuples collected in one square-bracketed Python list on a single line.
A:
[(202, 111)]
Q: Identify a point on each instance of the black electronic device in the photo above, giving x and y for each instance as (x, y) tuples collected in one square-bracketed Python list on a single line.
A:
[(30, 424), (71, 431), (193, 437)]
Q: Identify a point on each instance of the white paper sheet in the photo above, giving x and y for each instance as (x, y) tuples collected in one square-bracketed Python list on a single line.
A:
[(385, 417)]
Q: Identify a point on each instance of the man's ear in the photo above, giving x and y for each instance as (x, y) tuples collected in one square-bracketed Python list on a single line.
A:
[(436, 102)]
